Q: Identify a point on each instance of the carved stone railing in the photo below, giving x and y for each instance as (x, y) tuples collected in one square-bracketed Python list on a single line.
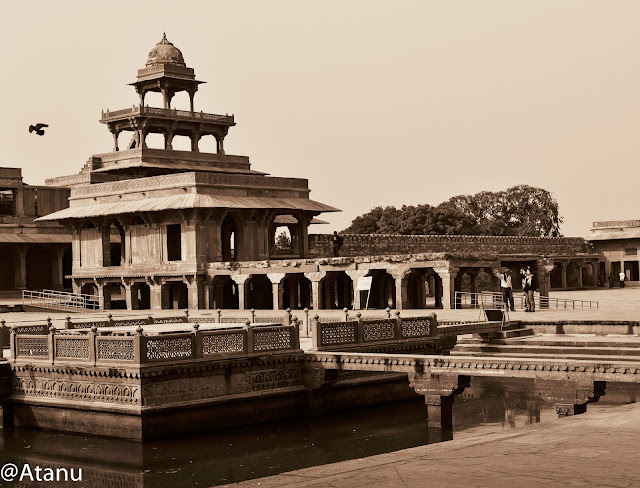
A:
[(137, 348), (328, 335), (170, 113)]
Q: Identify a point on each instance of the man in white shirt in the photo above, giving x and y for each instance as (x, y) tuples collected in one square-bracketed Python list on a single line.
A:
[(506, 288), (622, 276)]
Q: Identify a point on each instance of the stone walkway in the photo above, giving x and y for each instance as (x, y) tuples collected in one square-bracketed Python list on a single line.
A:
[(599, 448)]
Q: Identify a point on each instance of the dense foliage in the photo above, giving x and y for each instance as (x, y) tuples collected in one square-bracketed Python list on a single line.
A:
[(518, 211)]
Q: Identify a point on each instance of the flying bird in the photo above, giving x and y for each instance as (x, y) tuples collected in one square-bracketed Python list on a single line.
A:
[(39, 128)]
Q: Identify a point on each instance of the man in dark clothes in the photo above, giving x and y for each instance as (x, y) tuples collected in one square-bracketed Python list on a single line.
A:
[(529, 288), (337, 243)]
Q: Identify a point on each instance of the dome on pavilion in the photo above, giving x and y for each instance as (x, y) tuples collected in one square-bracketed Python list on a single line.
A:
[(165, 53)]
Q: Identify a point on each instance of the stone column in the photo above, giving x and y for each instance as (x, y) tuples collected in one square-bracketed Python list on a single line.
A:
[(206, 290), (545, 267), (241, 280), (447, 275), (580, 273), (155, 294), (402, 283), (278, 290), (192, 294), (438, 392), (20, 278), (128, 296), (564, 275), (354, 275), (315, 279)]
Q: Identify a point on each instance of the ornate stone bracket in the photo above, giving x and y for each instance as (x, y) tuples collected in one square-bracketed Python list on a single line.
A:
[(439, 391), (570, 397)]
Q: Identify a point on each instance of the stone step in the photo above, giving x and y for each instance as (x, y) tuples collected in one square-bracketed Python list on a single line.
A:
[(621, 342), (585, 357), (557, 351), (511, 333)]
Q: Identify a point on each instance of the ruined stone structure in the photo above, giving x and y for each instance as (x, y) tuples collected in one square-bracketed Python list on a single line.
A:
[(162, 228), (617, 242), (33, 255)]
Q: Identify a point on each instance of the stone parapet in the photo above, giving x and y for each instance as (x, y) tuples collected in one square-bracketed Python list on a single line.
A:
[(382, 244)]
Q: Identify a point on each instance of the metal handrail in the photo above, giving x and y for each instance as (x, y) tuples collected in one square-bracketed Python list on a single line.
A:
[(62, 299), (464, 299)]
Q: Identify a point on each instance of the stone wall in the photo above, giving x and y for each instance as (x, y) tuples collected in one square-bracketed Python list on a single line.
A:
[(377, 244)]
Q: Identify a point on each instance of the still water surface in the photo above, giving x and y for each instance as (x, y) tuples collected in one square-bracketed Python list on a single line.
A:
[(489, 405)]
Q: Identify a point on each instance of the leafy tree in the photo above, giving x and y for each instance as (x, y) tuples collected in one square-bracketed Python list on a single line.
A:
[(521, 210), (283, 241)]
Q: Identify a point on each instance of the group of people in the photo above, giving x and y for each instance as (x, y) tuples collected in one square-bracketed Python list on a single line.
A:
[(528, 288)]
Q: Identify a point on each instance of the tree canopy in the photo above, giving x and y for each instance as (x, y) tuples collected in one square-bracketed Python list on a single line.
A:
[(518, 211)]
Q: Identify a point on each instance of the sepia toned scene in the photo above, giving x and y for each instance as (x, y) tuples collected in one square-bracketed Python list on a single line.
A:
[(415, 264)]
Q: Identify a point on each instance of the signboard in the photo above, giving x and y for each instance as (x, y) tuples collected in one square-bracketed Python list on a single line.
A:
[(364, 284)]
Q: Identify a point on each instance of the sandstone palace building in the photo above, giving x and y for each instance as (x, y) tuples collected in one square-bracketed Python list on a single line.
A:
[(159, 228)]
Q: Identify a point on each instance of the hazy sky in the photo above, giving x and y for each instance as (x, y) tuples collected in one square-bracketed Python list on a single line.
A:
[(375, 102)]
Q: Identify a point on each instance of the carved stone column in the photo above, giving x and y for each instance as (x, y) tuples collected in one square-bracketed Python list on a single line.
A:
[(447, 275), (241, 280), (278, 289), (570, 396), (192, 292), (315, 279), (580, 273), (128, 296), (400, 277), (545, 267), (155, 294), (354, 275), (438, 392)]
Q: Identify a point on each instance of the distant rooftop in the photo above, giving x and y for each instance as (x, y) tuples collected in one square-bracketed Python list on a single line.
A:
[(615, 229)]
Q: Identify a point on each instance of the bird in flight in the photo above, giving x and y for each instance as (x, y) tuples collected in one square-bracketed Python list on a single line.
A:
[(39, 128)]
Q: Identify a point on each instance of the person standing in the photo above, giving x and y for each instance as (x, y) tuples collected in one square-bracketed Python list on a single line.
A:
[(622, 276), (530, 289), (506, 288), (337, 243)]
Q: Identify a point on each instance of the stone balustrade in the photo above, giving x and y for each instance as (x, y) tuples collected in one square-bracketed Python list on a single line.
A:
[(137, 348), (338, 335)]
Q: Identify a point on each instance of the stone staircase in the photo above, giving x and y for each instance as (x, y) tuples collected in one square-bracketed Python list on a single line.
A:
[(525, 346)]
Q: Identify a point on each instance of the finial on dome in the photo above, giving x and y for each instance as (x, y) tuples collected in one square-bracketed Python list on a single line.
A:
[(164, 39)]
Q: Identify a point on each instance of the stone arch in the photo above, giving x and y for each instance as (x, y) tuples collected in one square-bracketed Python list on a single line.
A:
[(383, 290), (336, 291), (89, 289), (296, 290), (589, 275), (557, 276), (174, 295), (140, 296), (573, 275), (229, 238), (424, 289), (114, 252), (224, 293), (114, 296), (259, 292)]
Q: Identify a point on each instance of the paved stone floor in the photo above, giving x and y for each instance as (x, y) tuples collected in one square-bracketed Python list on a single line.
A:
[(599, 449)]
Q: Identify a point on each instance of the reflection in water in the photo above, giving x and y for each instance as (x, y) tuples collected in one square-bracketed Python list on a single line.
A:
[(488, 405)]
